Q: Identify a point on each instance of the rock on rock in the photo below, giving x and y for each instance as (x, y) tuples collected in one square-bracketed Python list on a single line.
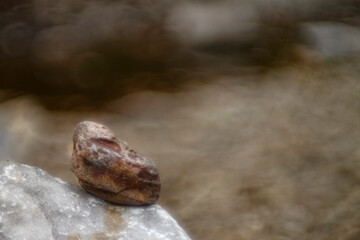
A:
[(34, 205)]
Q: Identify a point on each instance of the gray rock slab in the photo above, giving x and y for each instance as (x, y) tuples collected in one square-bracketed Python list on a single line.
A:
[(35, 205), (332, 39)]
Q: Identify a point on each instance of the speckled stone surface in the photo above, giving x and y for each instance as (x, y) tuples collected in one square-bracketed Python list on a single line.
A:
[(108, 168), (34, 205)]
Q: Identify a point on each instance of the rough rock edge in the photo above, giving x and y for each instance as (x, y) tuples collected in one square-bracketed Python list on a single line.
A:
[(27, 207)]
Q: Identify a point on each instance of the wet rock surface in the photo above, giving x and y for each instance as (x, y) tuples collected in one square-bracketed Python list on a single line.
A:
[(34, 205)]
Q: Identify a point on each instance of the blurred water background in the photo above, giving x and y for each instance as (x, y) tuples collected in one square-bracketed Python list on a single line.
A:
[(250, 109)]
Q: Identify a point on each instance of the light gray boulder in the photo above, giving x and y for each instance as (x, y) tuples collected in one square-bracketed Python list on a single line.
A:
[(332, 39), (35, 205)]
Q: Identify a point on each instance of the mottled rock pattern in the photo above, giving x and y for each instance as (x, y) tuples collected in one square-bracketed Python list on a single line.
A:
[(108, 168), (34, 205)]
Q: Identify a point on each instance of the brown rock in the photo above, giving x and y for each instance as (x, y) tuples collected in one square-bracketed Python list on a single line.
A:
[(106, 167)]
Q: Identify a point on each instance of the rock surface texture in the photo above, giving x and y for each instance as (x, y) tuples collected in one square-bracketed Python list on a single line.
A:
[(108, 168), (34, 205)]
